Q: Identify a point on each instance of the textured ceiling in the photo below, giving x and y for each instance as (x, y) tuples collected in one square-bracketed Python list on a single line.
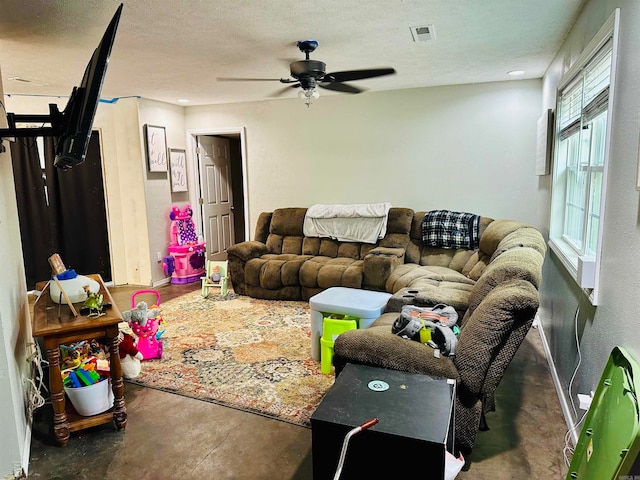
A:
[(165, 50)]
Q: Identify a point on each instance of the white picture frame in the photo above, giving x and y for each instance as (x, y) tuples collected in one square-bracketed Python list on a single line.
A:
[(156, 145), (544, 143), (178, 169)]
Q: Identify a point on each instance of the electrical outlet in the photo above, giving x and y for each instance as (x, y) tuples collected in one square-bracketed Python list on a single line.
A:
[(159, 256), (585, 400)]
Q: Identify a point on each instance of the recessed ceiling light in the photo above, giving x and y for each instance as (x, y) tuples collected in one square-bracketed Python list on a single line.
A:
[(516, 72), (183, 100)]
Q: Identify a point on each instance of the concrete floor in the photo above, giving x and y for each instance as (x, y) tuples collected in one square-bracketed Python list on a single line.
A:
[(170, 436)]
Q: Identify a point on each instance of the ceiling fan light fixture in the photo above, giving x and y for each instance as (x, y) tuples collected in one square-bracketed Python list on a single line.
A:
[(308, 94)]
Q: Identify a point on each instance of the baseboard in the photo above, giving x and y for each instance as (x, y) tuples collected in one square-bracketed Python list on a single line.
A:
[(564, 404), (27, 449), (164, 281)]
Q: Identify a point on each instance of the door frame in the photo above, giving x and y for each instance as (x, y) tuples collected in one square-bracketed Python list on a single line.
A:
[(194, 176)]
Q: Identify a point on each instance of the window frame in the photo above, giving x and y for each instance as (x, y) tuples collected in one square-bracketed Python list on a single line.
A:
[(584, 269)]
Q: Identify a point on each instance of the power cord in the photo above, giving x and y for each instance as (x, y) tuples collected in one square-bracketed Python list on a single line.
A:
[(567, 438), (575, 321), (35, 387)]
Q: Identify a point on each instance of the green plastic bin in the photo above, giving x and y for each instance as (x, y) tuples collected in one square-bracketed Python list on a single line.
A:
[(332, 326), (608, 445)]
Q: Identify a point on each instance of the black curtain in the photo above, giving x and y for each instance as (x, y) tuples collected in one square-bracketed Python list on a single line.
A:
[(79, 218), (62, 211), (37, 241)]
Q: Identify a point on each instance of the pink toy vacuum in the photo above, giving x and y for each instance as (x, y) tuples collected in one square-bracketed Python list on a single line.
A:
[(145, 323), (185, 262)]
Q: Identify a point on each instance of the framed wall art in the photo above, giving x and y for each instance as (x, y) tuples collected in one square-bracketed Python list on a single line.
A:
[(544, 143), (156, 143), (178, 169)]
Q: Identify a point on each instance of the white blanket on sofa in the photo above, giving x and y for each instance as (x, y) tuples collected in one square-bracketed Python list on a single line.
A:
[(366, 223)]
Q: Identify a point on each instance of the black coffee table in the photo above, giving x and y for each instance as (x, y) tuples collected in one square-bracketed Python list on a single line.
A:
[(416, 425)]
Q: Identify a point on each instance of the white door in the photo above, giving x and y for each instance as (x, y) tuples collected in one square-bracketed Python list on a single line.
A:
[(217, 198)]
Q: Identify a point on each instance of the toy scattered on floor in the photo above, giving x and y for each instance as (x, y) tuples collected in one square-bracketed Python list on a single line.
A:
[(130, 356), (215, 278), (145, 323), (186, 258)]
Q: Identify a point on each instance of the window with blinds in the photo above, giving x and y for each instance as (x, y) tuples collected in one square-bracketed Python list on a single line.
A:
[(583, 106), (581, 144)]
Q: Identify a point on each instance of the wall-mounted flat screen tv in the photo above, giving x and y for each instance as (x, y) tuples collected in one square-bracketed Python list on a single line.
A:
[(72, 127)]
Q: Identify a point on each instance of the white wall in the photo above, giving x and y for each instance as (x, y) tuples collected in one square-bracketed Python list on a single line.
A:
[(614, 321), (15, 329), (157, 185), (468, 148)]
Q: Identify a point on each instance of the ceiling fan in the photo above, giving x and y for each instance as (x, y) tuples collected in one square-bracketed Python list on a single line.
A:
[(309, 74)]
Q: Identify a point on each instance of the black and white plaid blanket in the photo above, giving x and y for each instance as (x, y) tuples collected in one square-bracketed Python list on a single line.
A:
[(447, 229)]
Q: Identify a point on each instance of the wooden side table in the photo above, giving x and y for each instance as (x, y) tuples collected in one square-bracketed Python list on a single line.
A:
[(63, 328)]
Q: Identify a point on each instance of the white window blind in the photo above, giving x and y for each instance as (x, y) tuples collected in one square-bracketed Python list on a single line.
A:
[(581, 155)]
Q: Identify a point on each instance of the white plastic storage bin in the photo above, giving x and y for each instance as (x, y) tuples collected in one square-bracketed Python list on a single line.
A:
[(92, 399)]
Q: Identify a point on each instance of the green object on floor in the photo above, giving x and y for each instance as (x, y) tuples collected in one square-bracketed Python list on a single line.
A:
[(610, 438), (333, 326)]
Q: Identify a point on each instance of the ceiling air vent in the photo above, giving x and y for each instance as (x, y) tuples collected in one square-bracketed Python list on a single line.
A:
[(423, 33)]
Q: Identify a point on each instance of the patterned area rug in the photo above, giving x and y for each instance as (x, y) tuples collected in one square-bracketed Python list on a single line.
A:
[(241, 352)]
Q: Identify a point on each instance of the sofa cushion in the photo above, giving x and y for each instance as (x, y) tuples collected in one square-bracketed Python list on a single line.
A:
[(285, 231), (516, 263), (417, 252), (271, 271), (434, 284), (525, 236), (377, 346), (287, 222), (485, 332), (325, 272), (496, 232)]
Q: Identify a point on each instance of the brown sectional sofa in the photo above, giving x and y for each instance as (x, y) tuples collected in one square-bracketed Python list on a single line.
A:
[(282, 264), (497, 311), (494, 288)]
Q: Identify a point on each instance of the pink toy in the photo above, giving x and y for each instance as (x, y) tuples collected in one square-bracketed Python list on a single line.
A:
[(186, 250), (145, 324)]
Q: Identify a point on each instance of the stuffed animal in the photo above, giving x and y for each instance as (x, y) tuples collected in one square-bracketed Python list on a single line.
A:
[(145, 322), (140, 314), (130, 357)]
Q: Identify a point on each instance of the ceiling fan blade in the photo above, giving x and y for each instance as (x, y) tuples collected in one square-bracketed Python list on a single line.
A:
[(284, 90), (340, 87), (349, 75)]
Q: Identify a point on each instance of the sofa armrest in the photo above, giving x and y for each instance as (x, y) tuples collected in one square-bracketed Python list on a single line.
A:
[(378, 265), (378, 347), (238, 255), (247, 250)]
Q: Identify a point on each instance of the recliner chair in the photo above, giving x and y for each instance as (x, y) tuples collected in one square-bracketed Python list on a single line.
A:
[(494, 326)]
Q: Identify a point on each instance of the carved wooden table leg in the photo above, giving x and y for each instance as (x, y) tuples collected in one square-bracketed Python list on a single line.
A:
[(60, 424), (117, 383)]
